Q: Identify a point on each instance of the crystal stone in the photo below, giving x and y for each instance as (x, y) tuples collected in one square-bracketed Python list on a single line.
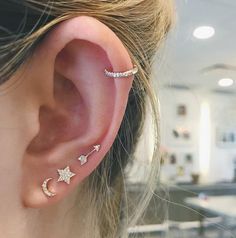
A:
[(83, 159)]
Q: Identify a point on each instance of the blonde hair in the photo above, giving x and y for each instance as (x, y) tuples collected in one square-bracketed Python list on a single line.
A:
[(141, 25)]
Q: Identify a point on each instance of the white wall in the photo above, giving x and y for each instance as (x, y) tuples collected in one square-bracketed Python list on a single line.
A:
[(223, 115), (218, 165)]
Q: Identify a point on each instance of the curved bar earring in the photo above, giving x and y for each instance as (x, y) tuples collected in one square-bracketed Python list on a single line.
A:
[(124, 74)]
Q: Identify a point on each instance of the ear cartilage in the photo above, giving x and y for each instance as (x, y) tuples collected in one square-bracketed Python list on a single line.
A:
[(45, 188), (124, 74), (84, 158)]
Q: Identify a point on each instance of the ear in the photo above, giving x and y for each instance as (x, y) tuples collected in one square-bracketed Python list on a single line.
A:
[(78, 107)]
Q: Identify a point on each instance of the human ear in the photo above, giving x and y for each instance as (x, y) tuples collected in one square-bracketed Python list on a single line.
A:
[(78, 107)]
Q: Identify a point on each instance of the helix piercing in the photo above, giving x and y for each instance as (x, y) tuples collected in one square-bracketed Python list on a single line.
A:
[(124, 74), (84, 158)]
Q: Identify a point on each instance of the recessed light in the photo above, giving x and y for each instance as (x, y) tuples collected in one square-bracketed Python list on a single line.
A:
[(226, 82), (204, 32)]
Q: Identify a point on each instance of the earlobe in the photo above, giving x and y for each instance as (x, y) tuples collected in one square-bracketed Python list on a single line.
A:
[(88, 107)]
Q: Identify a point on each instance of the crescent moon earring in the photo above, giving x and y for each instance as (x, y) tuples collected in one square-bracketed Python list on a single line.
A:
[(45, 188)]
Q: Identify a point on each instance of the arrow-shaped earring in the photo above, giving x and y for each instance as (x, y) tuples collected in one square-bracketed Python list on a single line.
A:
[(84, 158)]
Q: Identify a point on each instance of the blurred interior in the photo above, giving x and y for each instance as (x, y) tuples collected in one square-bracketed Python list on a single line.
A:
[(196, 85)]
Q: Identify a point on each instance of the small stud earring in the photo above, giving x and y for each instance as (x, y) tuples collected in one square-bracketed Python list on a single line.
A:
[(84, 158), (65, 175), (45, 188)]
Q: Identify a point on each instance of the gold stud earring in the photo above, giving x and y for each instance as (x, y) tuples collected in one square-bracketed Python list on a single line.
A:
[(45, 188), (65, 175)]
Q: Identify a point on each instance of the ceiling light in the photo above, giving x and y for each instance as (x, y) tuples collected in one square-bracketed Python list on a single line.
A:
[(226, 82), (204, 32)]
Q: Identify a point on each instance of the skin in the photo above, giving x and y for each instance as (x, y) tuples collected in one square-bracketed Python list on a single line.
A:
[(53, 109)]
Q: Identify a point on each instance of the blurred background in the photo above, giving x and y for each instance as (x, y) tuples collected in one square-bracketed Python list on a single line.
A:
[(196, 85)]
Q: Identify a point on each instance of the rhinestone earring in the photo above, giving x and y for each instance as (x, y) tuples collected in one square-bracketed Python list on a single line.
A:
[(65, 175), (45, 188), (124, 74)]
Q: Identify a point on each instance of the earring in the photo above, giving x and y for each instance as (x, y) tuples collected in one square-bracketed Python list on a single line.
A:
[(124, 74), (65, 174), (45, 188), (84, 158)]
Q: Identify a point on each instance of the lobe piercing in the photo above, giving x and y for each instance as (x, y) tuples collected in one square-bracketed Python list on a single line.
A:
[(45, 188), (124, 74), (84, 158)]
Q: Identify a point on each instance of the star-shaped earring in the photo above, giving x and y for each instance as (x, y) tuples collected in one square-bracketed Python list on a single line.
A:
[(65, 175)]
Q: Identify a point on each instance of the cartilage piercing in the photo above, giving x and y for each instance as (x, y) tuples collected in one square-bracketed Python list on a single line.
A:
[(124, 74), (84, 158)]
